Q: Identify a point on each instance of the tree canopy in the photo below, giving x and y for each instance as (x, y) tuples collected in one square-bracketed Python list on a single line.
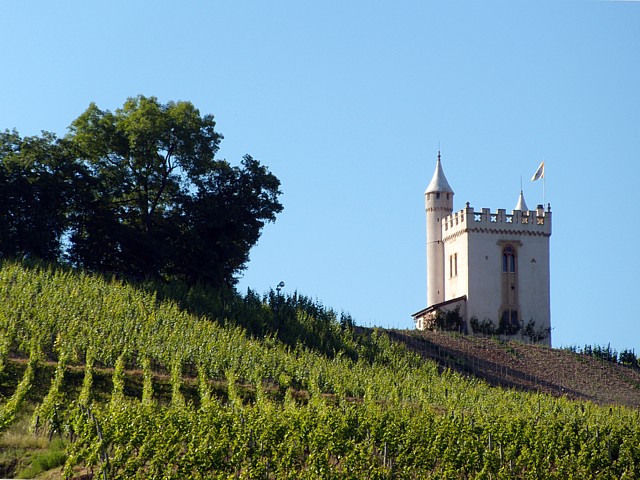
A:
[(138, 191)]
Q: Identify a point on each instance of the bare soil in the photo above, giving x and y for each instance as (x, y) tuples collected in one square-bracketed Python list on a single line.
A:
[(511, 364)]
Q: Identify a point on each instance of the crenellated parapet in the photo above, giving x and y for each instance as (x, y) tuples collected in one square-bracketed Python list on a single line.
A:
[(531, 222)]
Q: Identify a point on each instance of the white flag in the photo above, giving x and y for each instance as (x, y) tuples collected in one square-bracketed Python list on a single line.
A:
[(539, 173)]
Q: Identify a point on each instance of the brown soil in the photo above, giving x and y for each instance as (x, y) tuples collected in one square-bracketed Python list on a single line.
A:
[(528, 367)]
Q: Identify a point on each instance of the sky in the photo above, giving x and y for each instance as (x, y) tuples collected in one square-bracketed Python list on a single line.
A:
[(348, 103)]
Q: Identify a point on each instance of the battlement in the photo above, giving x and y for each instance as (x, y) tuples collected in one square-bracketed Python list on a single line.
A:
[(534, 222)]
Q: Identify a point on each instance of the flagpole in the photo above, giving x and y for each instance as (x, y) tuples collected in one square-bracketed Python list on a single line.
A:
[(537, 176), (544, 181)]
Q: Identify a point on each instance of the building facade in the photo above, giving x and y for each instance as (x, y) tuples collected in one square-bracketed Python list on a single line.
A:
[(492, 268)]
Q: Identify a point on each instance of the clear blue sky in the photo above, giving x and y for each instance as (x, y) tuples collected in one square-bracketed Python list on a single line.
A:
[(347, 102)]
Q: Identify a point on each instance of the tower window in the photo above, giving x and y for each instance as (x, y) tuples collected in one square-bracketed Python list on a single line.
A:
[(509, 320), (453, 265), (438, 195), (508, 259)]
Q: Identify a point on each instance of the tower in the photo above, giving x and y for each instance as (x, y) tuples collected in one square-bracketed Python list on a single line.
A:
[(438, 204), (492, 268)]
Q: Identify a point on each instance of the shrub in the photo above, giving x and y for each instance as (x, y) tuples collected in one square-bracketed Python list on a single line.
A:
[(509, 325), (534, 334), (628, 358), (449, 321), (484, 327)]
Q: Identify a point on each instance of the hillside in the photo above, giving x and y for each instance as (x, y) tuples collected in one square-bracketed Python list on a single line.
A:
[(105, 379), (528, 367)]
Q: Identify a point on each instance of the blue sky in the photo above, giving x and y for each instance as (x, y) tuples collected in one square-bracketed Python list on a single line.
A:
[(347, 102)]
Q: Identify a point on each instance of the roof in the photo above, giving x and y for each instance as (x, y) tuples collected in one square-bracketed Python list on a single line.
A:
[(439, 181), (424, 311), (522, 205)]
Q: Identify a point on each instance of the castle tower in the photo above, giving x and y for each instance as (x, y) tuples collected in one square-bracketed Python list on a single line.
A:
[(439, 204), (491, 267)]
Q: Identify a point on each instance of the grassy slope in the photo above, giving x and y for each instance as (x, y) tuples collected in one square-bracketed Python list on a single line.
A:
[(385, 379)]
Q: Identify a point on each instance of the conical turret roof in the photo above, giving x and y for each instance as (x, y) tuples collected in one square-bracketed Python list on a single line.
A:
[(522, 205), (439, 181)]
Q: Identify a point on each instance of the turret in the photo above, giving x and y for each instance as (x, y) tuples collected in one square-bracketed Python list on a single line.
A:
[(522, 205), (439, 204)]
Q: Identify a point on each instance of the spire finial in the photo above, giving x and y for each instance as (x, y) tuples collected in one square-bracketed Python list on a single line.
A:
[(439, 181), (522, 205)]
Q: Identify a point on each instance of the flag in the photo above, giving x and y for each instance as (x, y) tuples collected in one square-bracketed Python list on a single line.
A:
[(539, 172)]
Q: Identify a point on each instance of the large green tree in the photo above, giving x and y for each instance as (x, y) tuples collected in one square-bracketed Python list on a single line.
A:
[(146, 153), (137, 191), (162, 204)]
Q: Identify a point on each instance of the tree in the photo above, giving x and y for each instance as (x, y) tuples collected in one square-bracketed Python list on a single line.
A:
[(628, 358), (38, 184), (158, 202), (223, 220), (136, 192)]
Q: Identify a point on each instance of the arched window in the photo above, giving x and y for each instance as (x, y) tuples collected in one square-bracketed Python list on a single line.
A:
[(508, 259)]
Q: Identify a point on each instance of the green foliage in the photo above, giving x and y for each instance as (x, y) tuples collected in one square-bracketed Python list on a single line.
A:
[(508, 325), (53, 457), (8, 411), (176, 383), (604, 353), (546, 438), (534, 334), (118, 381), (163, 206), (46, 417), (294, 319), (147, 382), (449, 320), (39, 183), (484, 327), (288, 412), (628, 358), (87, 382), (137, 192), (607, 354)]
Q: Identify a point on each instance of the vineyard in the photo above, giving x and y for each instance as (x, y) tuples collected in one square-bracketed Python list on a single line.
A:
[(131, 383)]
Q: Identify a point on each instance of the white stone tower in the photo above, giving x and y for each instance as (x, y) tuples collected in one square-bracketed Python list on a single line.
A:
[(439, 204), (490, 267)]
